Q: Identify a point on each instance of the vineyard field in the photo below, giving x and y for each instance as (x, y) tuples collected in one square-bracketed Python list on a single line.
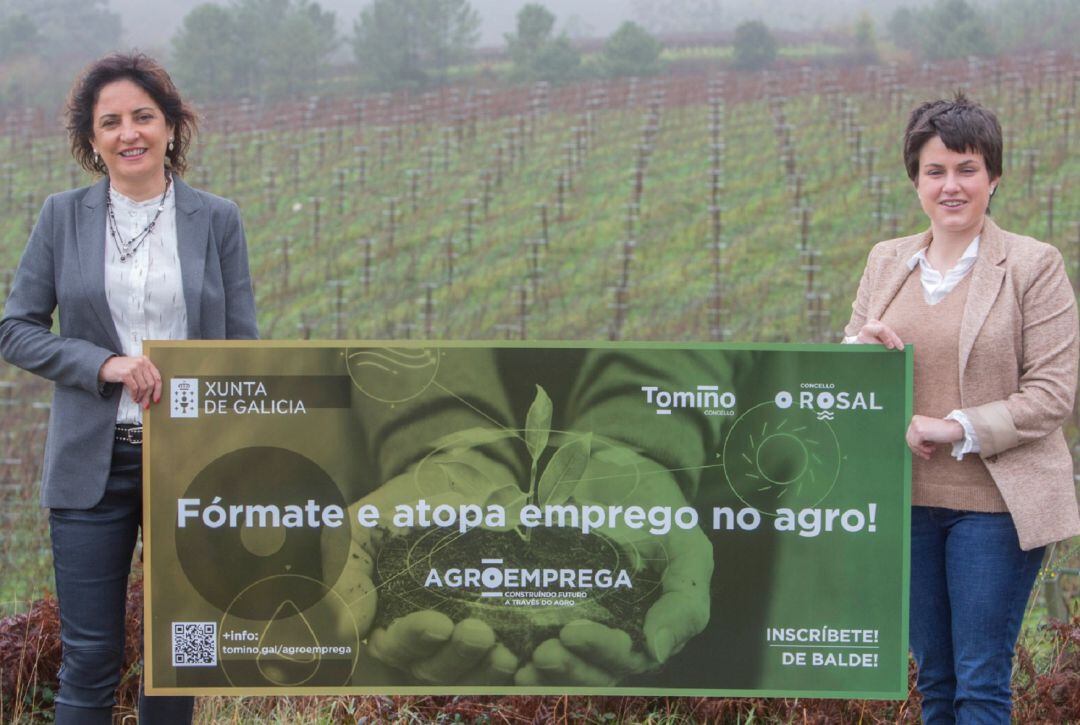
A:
[(728, 207)]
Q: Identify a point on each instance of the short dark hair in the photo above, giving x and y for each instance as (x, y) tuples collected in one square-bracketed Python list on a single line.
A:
[(961, 124), (148, 74)]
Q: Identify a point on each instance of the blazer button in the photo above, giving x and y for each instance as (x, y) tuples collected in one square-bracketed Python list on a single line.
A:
[(991, 459)]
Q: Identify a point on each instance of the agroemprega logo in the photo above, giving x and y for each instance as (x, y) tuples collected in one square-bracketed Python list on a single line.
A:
[(495, 579), (184, 398), (823, 399), (706, 398)]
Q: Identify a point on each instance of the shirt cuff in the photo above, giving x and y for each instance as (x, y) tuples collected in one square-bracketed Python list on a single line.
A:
[(970, 442), (104, 388)]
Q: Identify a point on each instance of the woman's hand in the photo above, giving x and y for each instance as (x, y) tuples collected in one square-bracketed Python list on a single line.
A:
[(925, 433), (877, 332), (424, 645), (588, 653), (435, 650), (137, 374)]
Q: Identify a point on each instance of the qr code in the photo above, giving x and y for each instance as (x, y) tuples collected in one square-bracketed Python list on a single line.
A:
[(194, 644)]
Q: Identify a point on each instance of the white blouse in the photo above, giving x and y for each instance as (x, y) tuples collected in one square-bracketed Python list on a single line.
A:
[(145, 292), (936, 285)]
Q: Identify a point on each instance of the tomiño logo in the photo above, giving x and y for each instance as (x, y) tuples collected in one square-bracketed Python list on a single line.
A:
[(184, 398), (824, 399), (706, 398)]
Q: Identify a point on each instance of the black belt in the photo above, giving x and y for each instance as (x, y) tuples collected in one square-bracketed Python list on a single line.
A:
[(129, 433)]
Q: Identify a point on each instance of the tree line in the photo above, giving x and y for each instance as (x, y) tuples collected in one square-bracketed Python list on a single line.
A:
[(395, 43), (959, 28), (266, 49), (41, 40)]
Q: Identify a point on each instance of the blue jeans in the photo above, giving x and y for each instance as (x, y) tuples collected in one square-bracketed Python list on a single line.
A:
[(92, 552), (970, 583)]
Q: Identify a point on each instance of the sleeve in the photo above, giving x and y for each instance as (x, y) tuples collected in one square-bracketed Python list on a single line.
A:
[(240, 320), (862, 300), (26, 336), (1047, 385), (970, 442)]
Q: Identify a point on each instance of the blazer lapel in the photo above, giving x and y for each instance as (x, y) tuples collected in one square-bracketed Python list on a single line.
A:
[(986, 279), (90, 220), (192, 238), (893, 274)]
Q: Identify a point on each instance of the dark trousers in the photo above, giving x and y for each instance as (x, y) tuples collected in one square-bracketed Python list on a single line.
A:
[(92, 552), (970, 583)]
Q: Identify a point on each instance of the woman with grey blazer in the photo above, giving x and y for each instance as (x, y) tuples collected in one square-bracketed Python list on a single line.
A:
[(138, 255)]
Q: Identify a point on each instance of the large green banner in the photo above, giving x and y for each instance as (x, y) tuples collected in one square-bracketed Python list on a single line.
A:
[(527, 518)]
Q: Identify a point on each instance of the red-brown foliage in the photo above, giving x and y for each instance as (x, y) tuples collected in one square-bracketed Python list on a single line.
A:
[(1052, 694), (1046, 689), (30, 657)]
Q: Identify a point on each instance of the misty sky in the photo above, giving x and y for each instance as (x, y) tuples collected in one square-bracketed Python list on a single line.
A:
[(150, 24)]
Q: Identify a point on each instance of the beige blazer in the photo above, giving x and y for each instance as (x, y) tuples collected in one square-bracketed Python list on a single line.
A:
[(1018, 363)]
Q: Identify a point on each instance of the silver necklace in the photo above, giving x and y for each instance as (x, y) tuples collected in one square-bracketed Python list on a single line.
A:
[(127, 247)]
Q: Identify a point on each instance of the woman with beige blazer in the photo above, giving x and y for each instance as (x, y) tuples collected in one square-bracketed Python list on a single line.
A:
[(993, 319)]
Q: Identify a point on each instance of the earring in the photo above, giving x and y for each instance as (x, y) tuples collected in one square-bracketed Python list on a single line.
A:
[(96, 157), (170, 144)]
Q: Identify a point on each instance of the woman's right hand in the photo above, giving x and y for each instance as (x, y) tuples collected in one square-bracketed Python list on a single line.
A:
[(137, 374), (876, 332)]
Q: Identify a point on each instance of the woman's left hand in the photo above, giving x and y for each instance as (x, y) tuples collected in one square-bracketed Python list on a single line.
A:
[(925, 433)]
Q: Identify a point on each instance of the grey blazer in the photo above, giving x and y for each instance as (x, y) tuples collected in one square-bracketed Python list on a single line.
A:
[(63, 267)]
